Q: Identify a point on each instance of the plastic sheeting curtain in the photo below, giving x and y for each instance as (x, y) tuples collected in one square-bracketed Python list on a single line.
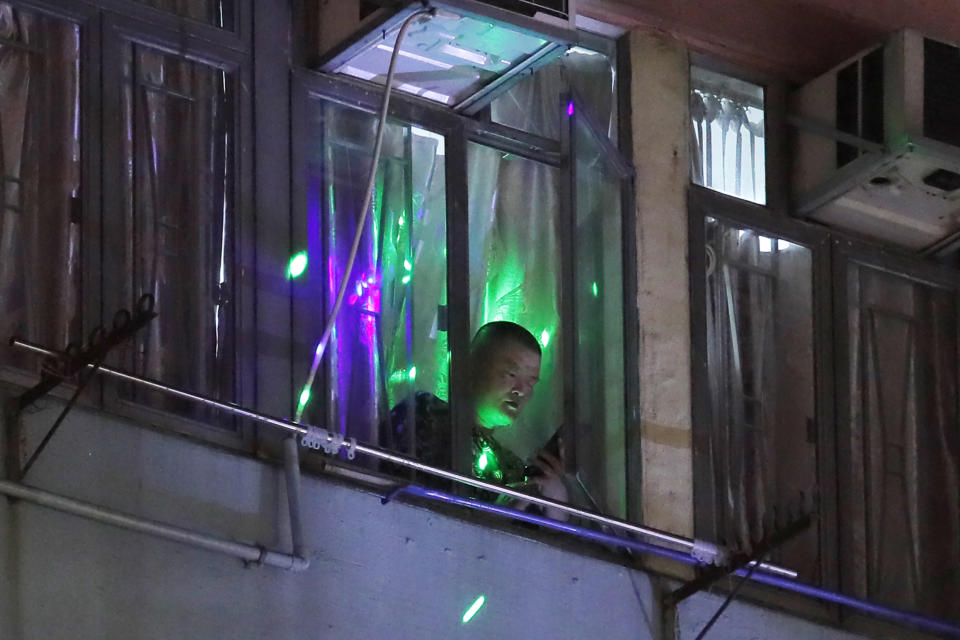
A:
[(727, 135), (390, 337), (39, 179), (515, 272), (761, 385), (177, 224), (904, 497)]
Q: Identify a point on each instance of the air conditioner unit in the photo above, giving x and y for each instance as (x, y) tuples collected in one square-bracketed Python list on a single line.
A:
[(878, 146), (465, 54)]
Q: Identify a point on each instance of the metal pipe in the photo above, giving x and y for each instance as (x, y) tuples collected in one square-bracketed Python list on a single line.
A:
[(291, 468), (917, 620), (685, 544), (248, 552), (904, 617)]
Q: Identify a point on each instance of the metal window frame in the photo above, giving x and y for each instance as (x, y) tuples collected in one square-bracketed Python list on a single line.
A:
[(847, 251), (459, 132), (832, 251), (776, 132), (87, 20), (704, 202), (117, 32)]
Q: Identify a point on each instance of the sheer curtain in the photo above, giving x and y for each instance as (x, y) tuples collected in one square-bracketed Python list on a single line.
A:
[(178, 223), (904, 504), (761, 384), (39, 180)]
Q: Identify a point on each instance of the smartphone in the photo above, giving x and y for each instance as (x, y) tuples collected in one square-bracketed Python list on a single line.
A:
[(552, 447)]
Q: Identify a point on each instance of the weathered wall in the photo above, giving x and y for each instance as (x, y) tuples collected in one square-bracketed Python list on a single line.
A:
[(394, 571), (660, 103)]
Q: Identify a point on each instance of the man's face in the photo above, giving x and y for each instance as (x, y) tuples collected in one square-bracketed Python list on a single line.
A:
[(504, 384)]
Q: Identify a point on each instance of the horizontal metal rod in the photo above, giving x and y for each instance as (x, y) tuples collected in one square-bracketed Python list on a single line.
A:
[(910, 618), (683, 543), (248, 552)]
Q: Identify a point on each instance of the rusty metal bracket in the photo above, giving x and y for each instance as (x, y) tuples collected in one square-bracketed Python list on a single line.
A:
[(71, 362)]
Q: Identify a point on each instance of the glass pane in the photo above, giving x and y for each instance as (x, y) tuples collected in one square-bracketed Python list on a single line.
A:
[(598, 293), (39, 181), (217, 13), (533, 105), (446, 58), (178, 225), (762, 437), (389, 348), (727, 151), (515, 277), (905, 444)]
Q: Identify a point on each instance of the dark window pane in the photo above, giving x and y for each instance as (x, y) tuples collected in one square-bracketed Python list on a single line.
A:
[(178, 224), (39, 180), (217, 13), (903, 502), (761, 387)]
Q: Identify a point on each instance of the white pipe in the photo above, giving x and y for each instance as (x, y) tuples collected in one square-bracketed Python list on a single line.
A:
[(291, 467), (248, 552)]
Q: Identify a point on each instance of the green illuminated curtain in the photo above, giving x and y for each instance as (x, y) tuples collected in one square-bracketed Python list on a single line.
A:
[(515, 271)]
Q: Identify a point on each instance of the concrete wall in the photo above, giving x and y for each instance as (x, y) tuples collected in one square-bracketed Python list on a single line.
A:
[(394, 571), (660, 98)]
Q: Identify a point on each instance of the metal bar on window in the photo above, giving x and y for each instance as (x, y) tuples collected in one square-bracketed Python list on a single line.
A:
[(290, 426)]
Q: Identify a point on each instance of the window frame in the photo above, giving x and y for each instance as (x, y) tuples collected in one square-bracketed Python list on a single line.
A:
[(846, 251), (118, 31), (459, 132), (105, 25), (702, 203), (777, 154), (831, 252)]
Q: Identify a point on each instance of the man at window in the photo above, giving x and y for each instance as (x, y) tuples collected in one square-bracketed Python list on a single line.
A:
[(505, 361)]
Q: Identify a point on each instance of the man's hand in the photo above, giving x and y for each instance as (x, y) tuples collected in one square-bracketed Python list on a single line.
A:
[(550, 482)]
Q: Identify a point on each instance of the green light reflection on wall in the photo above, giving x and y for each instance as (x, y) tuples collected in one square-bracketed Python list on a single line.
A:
[(474, 608)]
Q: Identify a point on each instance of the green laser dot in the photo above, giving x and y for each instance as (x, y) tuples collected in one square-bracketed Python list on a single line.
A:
[(595, 289), (407, 265), (297, 265), (413, 373), (545, 338), (304, 397), (405, 279), (474, 608)]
